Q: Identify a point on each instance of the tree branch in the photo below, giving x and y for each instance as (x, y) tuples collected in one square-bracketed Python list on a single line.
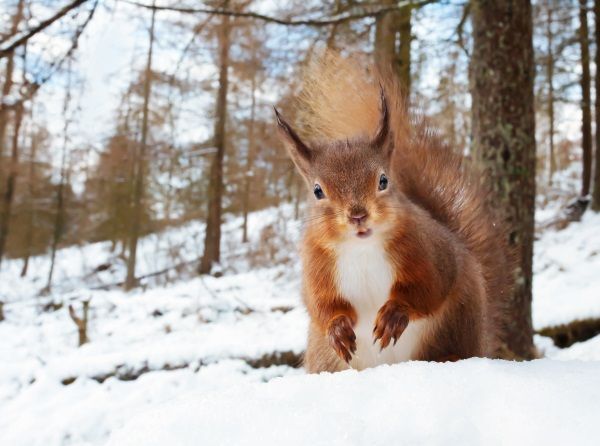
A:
[(31, 88), (4, 52), (269, 19)]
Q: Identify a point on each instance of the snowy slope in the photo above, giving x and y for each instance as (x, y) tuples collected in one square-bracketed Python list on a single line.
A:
[(471, 402), (566, 281), (146, 346)]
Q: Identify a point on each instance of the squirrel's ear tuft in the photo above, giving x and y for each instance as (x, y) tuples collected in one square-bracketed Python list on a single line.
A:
[(381, 137), (299, 152)]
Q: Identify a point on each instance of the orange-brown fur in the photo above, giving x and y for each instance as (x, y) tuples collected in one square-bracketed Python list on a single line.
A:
[(446, 248)]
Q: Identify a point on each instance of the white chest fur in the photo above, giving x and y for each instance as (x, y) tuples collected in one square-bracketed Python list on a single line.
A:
[(365, 277)]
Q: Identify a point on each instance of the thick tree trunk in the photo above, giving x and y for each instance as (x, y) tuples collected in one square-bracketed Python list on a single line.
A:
[(586, 110), (138, 189), (502, 75), (212, 238), (596, 192)]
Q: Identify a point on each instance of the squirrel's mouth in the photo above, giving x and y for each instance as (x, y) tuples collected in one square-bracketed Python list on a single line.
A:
[(363, 232)]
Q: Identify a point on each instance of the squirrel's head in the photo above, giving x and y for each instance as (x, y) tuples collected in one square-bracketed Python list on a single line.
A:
[(349, 180)]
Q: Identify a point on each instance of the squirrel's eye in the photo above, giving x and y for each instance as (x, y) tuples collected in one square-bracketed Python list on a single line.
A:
[(318, 192), (383, 182)]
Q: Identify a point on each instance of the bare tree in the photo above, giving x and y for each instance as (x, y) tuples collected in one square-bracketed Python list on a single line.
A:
[(31, 192), (6, 90), (249, 161), (10, 182), (550, 81), (586, 109), (212, 238), (140, 166), (59, 216), (8, 76)]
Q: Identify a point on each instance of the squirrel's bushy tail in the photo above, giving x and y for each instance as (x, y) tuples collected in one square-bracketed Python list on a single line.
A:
[(340, 99)]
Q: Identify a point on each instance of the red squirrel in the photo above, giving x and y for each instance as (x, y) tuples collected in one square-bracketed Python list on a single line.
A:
[(402, 260)]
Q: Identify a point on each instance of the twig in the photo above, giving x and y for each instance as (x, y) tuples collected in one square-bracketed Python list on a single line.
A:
[(461, 26)]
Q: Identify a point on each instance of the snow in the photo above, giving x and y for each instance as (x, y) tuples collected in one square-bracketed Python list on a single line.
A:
[(179, 360), (566, 283), (585, 351), (475, 401), (48, 413), (189, 334)]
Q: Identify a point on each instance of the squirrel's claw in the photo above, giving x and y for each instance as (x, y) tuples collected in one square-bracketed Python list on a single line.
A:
[(342, 337), (390, 323)]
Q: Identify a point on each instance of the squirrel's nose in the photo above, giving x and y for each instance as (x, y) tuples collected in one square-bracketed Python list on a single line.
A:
[(358, 218)]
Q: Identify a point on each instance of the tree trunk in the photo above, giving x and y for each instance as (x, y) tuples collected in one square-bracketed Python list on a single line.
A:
[(550, 105), (249, 160), (392, 43), (596, 192), (6, 88), (31, 197), (405, 29), (385, 39), (10, 182), (586, 111), (140, 172), (8, 79), (212, 238), (59, 218), (502, 67), (330, 42)]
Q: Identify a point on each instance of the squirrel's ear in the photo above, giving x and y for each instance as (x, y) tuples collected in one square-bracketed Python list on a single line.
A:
[(300, 153), (381, 137)]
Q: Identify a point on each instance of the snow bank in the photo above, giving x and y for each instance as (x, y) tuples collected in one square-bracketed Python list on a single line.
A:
[(583, 351), (46, 413), (565, 280), (476, 401)]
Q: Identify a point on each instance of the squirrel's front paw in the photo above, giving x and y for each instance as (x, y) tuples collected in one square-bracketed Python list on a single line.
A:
[(341, 337), (390, 323)]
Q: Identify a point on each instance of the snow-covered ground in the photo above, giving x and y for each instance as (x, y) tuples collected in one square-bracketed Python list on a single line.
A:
[(192, 355), (566, 281), (472, 402)]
